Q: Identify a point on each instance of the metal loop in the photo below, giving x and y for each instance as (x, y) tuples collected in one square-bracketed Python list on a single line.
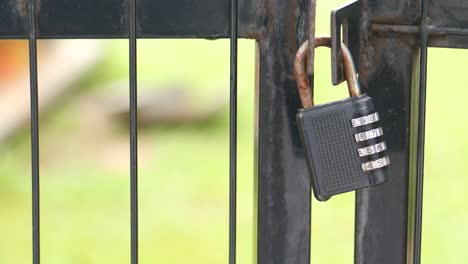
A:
[(305, 91)]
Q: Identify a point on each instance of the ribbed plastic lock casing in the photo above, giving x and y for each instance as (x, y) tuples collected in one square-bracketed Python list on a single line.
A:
[(332, 151)]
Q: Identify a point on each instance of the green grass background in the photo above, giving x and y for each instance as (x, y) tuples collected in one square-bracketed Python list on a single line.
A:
[(184, 175)]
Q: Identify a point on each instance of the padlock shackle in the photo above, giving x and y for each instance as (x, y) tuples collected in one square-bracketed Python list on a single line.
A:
[(305, 91)]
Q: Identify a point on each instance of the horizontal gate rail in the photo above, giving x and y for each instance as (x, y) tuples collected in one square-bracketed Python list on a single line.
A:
[(110, 19), (188, 19)]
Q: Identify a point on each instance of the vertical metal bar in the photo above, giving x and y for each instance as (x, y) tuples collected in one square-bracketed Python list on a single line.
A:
[(382, 212), (133, 132), (34, 133), (421, 135), (233, 136), (284, 189), (312, 12)]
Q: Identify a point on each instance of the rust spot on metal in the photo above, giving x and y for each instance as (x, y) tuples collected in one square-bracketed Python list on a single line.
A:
[(124, 12), (303, 84), (37, 4), (305, 90), (266, 19), (366, 51), (22, 7), (254, 35)]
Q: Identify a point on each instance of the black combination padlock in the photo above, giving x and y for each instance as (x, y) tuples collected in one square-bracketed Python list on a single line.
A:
[(343, 142)]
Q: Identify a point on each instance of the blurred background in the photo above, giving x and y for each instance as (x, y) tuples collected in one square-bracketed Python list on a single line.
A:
[(183, 141)]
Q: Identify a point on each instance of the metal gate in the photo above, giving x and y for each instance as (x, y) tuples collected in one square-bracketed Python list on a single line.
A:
[(388, 217)]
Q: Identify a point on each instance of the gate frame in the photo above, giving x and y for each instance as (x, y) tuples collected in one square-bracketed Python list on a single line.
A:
[(392, 58)]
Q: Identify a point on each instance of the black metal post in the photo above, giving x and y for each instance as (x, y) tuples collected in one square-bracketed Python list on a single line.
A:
[(389, 71), (284, 190), (382, 211)]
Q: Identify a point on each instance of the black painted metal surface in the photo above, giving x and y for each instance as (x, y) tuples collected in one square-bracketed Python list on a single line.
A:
[(386, 73), (233, 135), (451, 20), (35, 161), (284, 190), (388, 217), (202, 18), (110, 18), (189, 19), (133, 96), (88, 18), (382, 211), (421, 136), (14, 19)]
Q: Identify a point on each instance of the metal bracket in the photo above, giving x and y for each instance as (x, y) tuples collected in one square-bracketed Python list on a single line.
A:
[(348, 18)]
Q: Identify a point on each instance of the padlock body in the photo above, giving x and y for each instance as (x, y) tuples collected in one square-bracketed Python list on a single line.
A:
[(344, 146)]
